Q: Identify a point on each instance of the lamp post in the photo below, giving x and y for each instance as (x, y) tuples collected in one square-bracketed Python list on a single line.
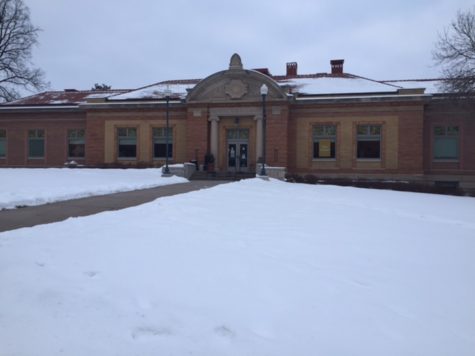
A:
[(167, 92), (264, 91)]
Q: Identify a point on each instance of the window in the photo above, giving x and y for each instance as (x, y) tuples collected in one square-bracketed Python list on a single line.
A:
[(446, 142), (3, 143), (237, 134), (127, 142), (368, 141), (324, 138), (160, 142), (36, 143), (76, 145)]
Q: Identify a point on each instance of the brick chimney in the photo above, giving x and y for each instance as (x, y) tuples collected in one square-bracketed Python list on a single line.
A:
[(292, 69), (337, 66)]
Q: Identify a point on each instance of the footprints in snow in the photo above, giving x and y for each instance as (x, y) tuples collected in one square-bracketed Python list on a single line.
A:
[(91, 274), (224, 331), (152, 331)]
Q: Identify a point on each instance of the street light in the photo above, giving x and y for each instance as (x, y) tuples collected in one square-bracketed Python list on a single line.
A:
[(264, 91), (167, 93)]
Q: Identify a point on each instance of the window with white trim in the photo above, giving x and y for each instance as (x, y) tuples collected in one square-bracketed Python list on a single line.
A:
[(368, 141), (446, 142)]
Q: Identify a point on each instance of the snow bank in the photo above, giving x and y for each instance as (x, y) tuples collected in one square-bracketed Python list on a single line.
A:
[(249, 268), (26, 186)]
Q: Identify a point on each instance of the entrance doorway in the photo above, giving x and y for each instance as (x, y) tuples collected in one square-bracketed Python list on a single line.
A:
[(238, 150)]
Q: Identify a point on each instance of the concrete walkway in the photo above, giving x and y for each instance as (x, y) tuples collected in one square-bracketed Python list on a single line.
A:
[(48, 213)]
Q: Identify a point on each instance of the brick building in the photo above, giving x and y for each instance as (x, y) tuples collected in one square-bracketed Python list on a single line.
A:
[(328, 124)]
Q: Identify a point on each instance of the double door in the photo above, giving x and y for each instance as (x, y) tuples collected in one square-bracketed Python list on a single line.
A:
[(238, 150)]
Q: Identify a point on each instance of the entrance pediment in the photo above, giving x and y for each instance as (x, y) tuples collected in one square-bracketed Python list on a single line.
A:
[(234, 85)]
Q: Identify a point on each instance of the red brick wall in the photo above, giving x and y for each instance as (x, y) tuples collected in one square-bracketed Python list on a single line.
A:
[(197, 132), (409, 144), (292, 142), (94, 140), (415, 143), (55, 125), (411, 141), (277, 138)]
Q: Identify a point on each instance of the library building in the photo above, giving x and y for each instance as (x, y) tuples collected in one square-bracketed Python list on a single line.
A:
[(330, 124)]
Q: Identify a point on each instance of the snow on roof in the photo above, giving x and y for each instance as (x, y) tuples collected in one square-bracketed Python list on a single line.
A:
[(336, 85), (177, 89), (65, 97), (431, 85), (99, 95), (311, 84)]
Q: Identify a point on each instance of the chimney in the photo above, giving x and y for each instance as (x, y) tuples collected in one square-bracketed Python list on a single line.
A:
[(292, 69), (263, 71), (337, 66)]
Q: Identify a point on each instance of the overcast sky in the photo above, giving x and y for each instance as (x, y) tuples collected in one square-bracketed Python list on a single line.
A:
[(133, 43)]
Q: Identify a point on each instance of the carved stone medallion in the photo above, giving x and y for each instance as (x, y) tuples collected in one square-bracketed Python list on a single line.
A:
[(236, 89)]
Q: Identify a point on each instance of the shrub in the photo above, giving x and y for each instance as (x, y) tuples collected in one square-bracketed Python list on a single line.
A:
[(310, 179)]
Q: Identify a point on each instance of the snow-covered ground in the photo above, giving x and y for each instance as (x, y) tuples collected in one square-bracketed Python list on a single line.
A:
[(26, 186), (249, 268)]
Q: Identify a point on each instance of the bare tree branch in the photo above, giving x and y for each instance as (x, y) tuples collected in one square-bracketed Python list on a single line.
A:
[(455, 52), (17, 39)]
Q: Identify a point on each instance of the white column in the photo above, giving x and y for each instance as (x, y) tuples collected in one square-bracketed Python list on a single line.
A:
[(259, 147), (214, 137)]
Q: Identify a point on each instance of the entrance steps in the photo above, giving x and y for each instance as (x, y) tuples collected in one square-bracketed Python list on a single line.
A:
[(230, 176)]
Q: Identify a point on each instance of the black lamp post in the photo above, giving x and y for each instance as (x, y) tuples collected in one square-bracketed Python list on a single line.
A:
[(167, 93), (264, 91)]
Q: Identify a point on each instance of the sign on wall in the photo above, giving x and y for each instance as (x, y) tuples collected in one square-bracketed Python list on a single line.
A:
[(324, 148)]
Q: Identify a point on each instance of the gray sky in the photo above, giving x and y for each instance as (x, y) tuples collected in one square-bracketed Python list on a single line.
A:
[(132, 43)]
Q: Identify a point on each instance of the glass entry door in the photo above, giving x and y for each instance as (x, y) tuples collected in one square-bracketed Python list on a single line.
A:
[(238, 150)]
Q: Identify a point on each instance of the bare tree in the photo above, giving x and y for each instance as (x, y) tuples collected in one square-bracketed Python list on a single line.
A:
[(17, 38), (455, 51), (102, 86)]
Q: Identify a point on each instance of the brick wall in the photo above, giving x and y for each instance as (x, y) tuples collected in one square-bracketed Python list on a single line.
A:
[(197, 133), (101, 134), (401, 138), (55, 126), (95, 136), (277, 137), (411, 140)]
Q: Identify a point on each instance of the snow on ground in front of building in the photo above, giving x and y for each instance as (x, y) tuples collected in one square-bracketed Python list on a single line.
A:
[(248, 268), (27, 186)]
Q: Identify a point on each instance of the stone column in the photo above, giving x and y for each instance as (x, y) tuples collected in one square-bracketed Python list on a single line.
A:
[(259, 147), (214, 137)]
